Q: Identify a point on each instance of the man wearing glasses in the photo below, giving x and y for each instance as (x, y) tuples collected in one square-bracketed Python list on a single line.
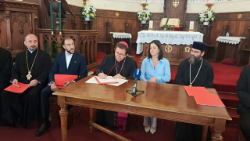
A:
[(117, 65)]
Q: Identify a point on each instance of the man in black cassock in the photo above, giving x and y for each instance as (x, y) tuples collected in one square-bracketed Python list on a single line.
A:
[(118, 65), (5, 71), (243, 93), (201, 75), (31, 67)]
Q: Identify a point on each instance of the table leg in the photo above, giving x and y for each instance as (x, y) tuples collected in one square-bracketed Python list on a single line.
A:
[(63, 115), (219, 127), (91, 114)]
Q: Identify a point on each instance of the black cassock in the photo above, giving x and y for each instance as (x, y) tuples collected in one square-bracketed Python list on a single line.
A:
[(111, 67), (25, 107), (5, 71), (187, 131)]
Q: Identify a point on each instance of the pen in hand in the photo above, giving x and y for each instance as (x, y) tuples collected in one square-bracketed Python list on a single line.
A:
[(17, 85)]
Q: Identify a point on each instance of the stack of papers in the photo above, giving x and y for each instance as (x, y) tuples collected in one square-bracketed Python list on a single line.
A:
[(109, 81), (203, 97)]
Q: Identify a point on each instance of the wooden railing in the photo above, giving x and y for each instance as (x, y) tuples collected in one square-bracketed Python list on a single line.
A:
[(85, 43)]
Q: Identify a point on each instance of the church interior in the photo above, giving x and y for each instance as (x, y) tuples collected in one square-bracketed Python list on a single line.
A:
[(96, 34)]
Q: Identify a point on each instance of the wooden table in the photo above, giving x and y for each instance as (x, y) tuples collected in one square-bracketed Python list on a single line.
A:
[(165, 101)]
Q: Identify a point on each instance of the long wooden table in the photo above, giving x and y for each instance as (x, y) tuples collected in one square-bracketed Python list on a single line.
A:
[(165, 101)]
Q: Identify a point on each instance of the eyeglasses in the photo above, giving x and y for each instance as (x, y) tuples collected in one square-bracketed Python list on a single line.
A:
[(121, 55)]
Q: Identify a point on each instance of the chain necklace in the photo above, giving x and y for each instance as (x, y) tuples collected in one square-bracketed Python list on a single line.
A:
[(191, 82), (28, 76), (121, 67)]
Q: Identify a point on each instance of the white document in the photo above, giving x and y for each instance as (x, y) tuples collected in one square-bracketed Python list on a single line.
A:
[(120, 81)]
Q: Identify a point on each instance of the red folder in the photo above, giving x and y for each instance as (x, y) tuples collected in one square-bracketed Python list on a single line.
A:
[(106, 81), (60, 79), (193, 91), (19, 88), (209, 99), (203, 97)]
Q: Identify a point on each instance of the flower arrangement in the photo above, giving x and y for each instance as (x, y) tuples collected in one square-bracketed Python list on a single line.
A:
[(206, 16), (88, 12), (144, 16)]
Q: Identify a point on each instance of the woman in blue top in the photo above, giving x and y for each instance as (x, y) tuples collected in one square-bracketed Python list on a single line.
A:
[(154, 68)]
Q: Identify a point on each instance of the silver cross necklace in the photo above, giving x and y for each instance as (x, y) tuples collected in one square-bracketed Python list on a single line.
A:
[(191, 82)]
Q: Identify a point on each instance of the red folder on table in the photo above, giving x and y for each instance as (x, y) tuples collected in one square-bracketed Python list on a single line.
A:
[(203, 97), (209, 99), (60, 79), (108, 80), (193, 91), (19, 88)]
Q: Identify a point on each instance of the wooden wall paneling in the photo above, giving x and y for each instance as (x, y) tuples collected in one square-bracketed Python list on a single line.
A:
[(178, 12), (217, 30), (133, 29)]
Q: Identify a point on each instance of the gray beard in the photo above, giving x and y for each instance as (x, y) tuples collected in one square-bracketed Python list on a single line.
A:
[(193, 60)]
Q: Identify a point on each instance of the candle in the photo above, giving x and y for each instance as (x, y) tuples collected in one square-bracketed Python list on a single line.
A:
[(51, 17), (60, 15)]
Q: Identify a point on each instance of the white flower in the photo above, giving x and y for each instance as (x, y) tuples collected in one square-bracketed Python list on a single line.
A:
[(209, 13), (202, 15), (202, 19), (212, 19), (206, 19)]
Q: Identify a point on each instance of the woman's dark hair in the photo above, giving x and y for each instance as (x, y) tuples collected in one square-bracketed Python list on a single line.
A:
[(158, 44), (122, 46)]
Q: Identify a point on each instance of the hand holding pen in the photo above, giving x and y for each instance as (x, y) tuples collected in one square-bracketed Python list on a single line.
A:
[(102, 75)]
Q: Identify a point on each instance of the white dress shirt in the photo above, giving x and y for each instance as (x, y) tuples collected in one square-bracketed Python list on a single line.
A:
[(68, 58)]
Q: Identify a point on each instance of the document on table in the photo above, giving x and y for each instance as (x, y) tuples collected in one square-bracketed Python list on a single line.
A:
[(118, 82)]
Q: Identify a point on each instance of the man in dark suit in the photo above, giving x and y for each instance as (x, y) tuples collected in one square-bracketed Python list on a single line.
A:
[(243, 93), (68, 62)]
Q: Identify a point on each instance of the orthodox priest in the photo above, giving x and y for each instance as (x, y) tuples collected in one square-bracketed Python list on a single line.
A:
[(5, 71), (193, 71), (118, 65), (31, 67)]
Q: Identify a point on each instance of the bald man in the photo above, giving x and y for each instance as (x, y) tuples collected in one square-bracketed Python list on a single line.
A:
[(31, 67)]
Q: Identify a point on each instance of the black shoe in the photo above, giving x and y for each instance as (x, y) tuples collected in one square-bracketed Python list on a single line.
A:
[(42, 129)]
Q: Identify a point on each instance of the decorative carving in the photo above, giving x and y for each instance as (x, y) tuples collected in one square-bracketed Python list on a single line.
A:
[(168, 48), (239, 16), (16, 4), (176, 3), (116, 14), (223, 16), (187, 49)]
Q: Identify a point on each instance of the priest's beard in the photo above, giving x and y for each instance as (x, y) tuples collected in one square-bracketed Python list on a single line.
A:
[(193, 60)]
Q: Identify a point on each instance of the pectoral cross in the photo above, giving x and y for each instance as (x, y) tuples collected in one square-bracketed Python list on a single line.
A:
[(28, 76), (175, 3)]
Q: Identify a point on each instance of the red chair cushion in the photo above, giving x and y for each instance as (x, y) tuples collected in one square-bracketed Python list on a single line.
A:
[(228, 61)]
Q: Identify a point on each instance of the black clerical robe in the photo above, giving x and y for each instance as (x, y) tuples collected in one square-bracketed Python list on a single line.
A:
[(111, 67), (26, 106), (5, 68), (5, 72), (187, 131)]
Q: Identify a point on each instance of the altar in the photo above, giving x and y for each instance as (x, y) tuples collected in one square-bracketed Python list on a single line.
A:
[(176, 45)]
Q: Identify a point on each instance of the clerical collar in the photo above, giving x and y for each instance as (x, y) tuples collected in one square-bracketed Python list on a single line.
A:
[(31, 51), (121, 60)]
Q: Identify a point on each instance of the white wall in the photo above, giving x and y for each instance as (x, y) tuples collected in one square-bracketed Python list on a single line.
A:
[(222, 7), (119, 5)]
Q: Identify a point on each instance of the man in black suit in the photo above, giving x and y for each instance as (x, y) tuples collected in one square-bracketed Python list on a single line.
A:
[(68, 62), (243, 93)]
